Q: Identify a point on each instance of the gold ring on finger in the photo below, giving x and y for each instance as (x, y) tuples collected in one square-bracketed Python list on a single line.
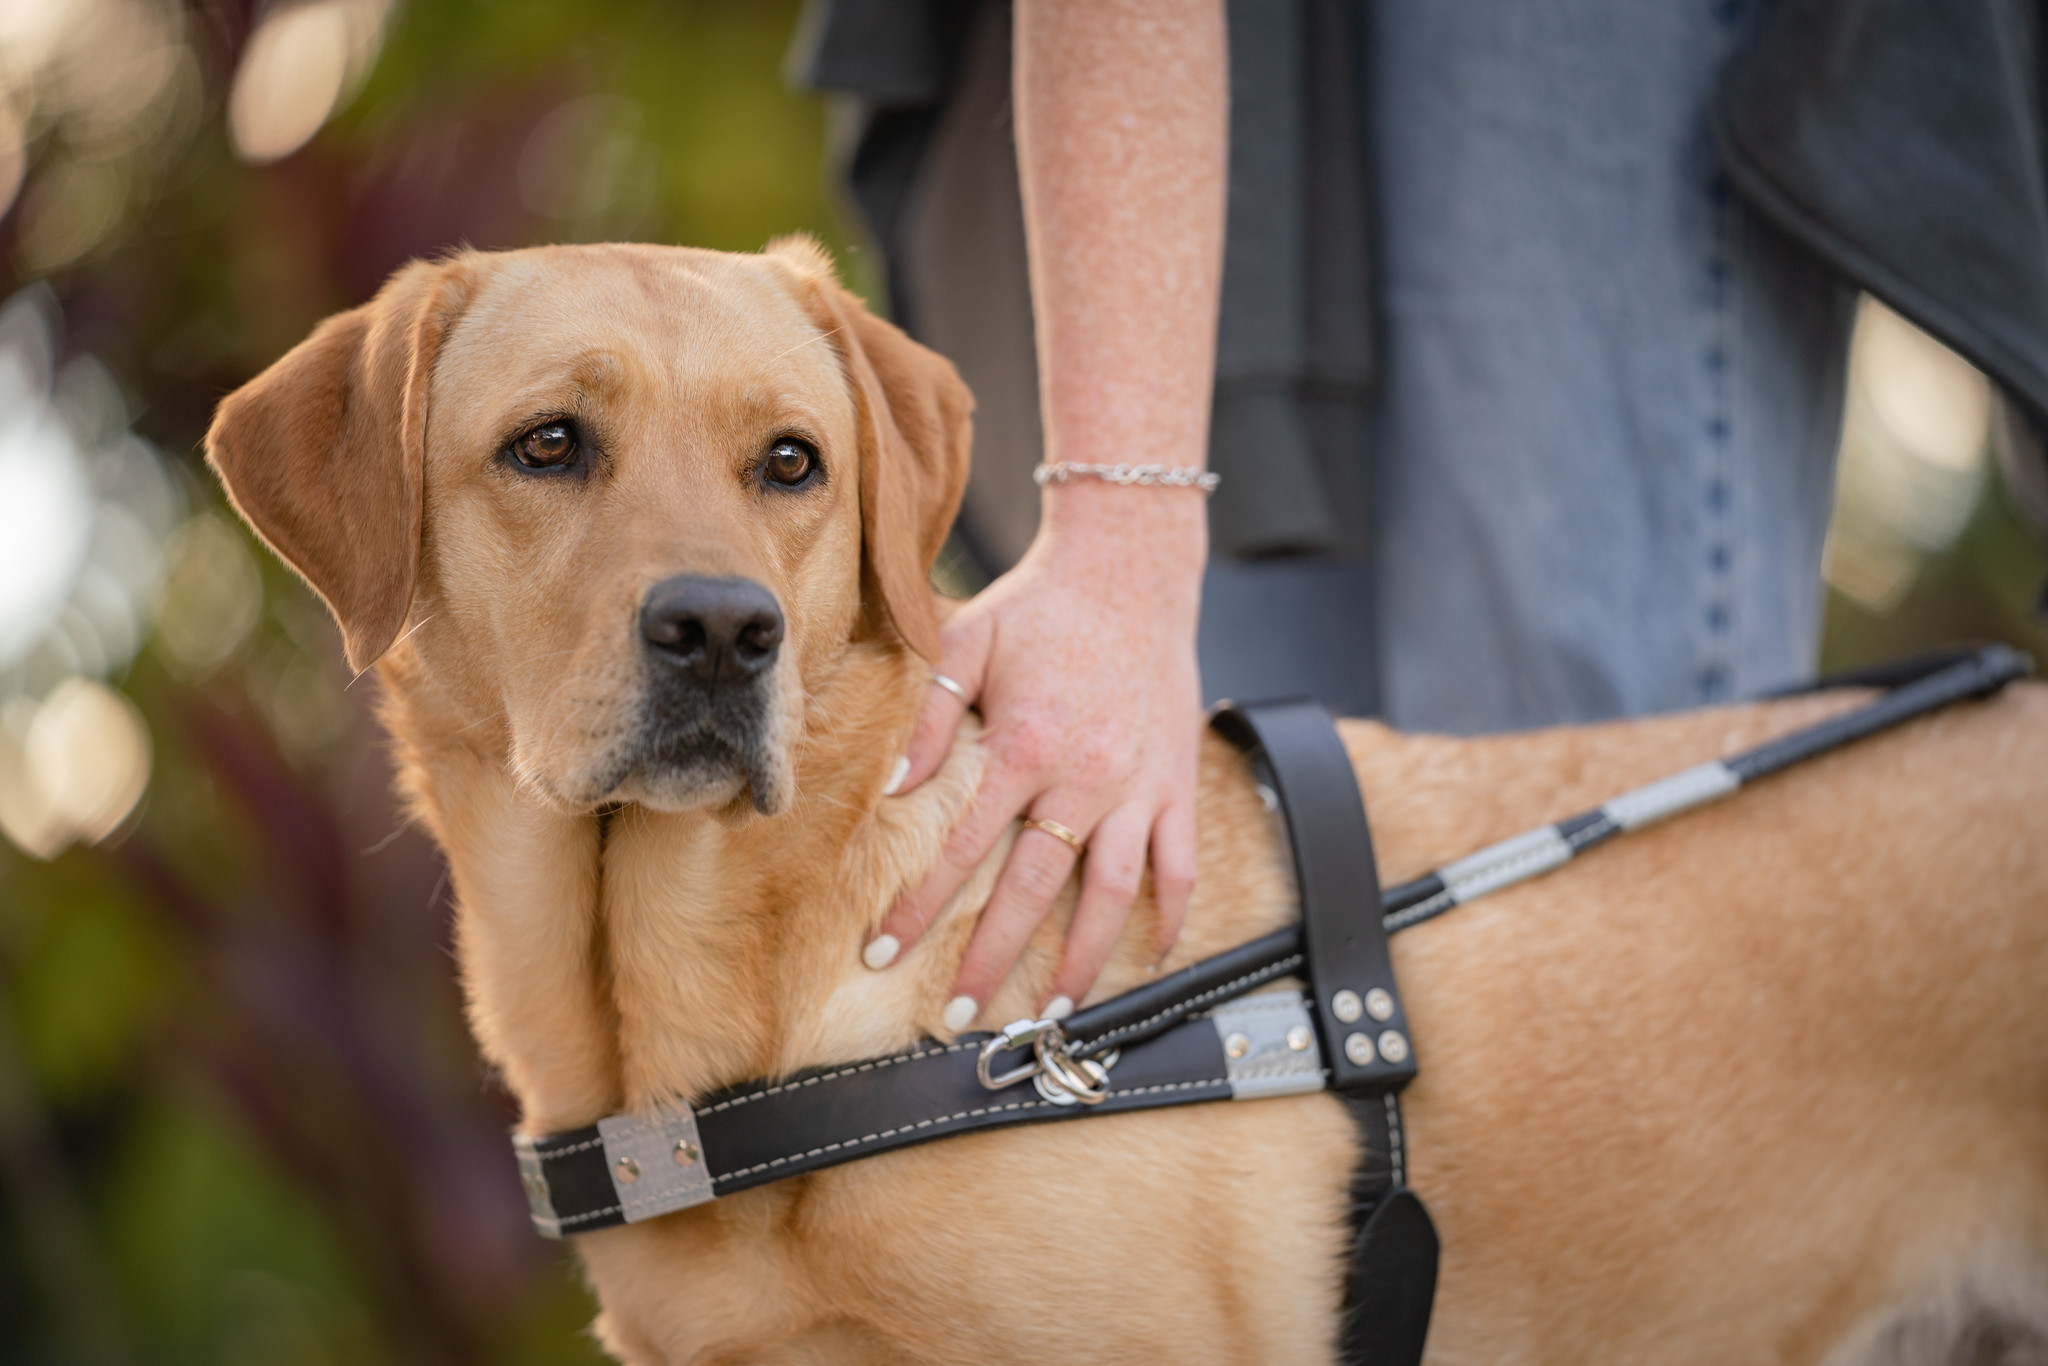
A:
[(1058, 832)]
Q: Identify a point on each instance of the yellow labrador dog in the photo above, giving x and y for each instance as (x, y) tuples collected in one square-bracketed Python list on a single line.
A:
[(637, 540)]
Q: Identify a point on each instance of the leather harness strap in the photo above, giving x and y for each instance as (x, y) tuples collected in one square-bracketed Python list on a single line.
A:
[(1195, 1035), (1391, 1284), (1358, 1011)]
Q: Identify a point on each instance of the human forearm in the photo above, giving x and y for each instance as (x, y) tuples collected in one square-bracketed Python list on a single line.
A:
[(1082, 658), (1122, 111)]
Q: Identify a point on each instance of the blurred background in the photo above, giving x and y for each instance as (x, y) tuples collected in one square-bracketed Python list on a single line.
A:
[(240, 1118)]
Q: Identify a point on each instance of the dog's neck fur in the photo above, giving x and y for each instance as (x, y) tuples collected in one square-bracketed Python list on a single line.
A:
[(612, 963)]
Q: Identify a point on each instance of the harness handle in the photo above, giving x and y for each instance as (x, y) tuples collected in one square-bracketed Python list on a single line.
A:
[(1356, 1005)]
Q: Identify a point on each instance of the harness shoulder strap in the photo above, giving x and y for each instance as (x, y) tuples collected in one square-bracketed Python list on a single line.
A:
[(1356, 1006)]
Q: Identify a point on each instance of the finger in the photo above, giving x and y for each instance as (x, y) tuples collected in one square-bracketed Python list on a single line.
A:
[(999, 801), (964, 660), (1037, 869), (930, 740), (1173, 871), (1109, 884)]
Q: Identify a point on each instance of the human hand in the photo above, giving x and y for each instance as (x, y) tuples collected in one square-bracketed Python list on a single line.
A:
[(1084, 672)]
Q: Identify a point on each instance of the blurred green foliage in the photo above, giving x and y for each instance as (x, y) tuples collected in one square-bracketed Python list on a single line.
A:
[(240, 1118)]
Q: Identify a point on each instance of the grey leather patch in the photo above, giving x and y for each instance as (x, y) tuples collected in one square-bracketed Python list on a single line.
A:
[(656, 1162), (533, 1177), (1264, 1031)]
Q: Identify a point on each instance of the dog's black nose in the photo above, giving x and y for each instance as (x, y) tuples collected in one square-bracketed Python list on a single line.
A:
[(716, 630)]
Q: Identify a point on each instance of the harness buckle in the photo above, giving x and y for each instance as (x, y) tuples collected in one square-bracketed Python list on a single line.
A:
[(1056, 1074), (1015, 1034)]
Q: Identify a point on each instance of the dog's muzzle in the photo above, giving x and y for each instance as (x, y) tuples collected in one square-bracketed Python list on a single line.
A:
[(710, 646)]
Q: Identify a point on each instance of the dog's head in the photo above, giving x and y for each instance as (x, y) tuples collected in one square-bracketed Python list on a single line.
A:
[(623, 505)]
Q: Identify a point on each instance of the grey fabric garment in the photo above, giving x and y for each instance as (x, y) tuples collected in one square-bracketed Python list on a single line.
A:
[(965, 289), (1906, 143), (887, 52), (1611, 394), (1289, 627), (1296, 317)]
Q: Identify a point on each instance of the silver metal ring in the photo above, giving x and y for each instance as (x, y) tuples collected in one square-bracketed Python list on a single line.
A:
[(1016, 1034), (1082, 1079), (954, 688)]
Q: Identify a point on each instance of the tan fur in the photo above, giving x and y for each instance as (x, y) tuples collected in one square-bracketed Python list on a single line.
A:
[(1729, 1090)]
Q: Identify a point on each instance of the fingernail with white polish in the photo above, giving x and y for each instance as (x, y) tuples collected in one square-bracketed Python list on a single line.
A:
[(1059, 1007), (881, 951), (960, 1013), (896, 776)]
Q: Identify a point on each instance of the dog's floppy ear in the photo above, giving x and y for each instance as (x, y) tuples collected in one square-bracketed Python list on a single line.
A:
[(322, 453), (916, 432)]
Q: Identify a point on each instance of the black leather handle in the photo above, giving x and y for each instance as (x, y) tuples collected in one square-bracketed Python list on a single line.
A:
[(1357, 1007), (1158, 1006)]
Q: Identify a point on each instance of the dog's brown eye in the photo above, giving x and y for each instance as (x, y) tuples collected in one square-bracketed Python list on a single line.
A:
[(790, 463), (547, 446)]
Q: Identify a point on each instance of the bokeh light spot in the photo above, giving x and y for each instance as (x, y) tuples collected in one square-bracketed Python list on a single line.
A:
[(72, 768), (298, 68)]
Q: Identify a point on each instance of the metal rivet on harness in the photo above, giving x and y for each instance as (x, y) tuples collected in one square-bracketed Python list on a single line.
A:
[(686, 1152), (1236, 1046), (1346, 1006), (1394, 1046), (1299, 1038), (628, 1170), (1358, 1048), (1379, 1004)]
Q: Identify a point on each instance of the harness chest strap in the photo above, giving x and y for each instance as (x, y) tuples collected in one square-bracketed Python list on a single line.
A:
[(626, 1168)]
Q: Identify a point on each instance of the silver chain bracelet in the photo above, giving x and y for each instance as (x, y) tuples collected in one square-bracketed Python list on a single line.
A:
[(1184, 477)]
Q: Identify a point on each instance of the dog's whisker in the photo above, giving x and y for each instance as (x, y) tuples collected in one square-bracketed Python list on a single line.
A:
[(802, 344), (387, 649)]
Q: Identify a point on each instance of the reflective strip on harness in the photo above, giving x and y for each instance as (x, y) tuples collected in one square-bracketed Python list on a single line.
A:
[(1505, 864), (1668, 796)]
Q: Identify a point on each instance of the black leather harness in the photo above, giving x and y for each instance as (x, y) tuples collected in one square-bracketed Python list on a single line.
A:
[(1199, 1034)]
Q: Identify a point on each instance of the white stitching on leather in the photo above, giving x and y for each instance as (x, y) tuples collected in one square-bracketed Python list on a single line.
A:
[(566, 1220), (947, 1119), (1394, 1138), (872, 1065), (1267, 1004), (554, 1153), (1281, 1071), (1267, 973), (1421, 910)]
